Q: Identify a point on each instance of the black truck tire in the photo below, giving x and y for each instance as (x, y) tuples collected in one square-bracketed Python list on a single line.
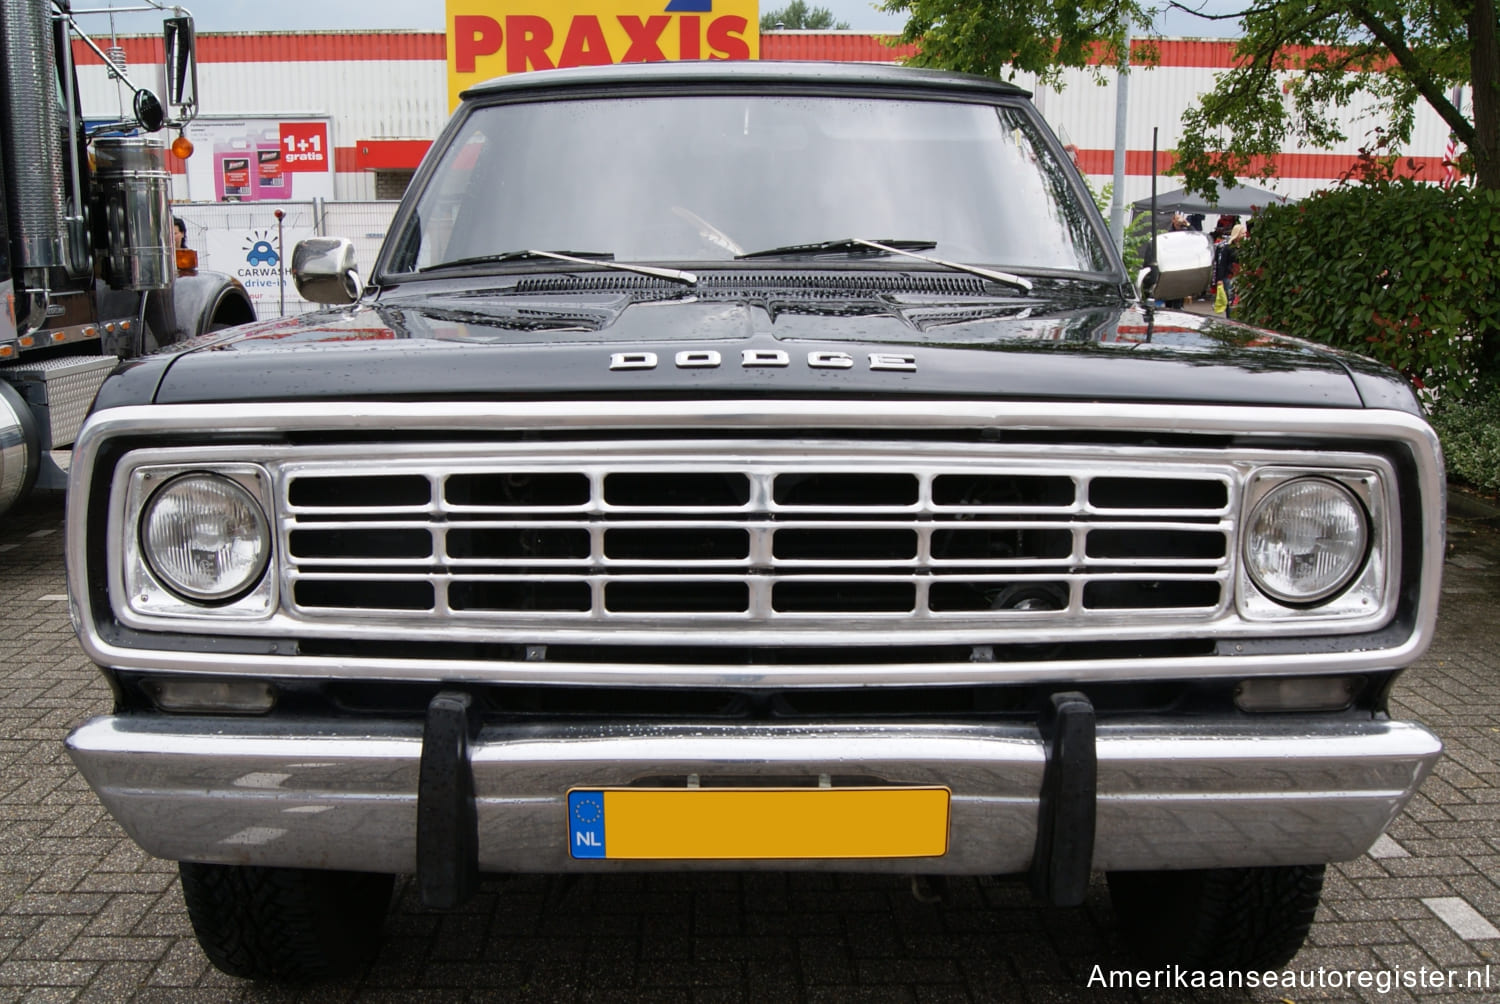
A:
[(1218, 919), (290, 925)]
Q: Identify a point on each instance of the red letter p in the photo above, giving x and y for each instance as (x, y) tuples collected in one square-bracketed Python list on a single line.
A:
[(474, 35)]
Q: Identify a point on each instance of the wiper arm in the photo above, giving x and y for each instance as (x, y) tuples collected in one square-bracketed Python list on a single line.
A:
[(853, 244), (602, 259), (908, 249)]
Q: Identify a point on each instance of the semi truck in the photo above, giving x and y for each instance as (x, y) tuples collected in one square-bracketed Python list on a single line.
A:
[(89, 270)]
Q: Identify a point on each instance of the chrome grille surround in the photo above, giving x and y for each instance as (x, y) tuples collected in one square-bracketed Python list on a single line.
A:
[(760, 461)]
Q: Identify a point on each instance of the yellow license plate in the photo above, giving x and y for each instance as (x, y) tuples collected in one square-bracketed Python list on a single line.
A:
[(757, 823)]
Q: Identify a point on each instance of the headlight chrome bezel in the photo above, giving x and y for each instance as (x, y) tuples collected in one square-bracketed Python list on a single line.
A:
[(237, 497), (149, 593), (1361, 592)]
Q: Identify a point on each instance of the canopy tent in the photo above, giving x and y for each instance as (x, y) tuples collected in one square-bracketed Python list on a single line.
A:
[(1241, 200)]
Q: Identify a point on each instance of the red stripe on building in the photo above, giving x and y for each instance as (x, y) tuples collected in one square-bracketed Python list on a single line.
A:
[(837, 46), (855, 47), (258, 47), (406, 154), (1286, 165), (840, 47), (388, 154)]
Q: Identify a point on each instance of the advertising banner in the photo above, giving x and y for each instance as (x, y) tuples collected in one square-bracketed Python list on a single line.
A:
[(490, 38), (260, 259), (259, 159)]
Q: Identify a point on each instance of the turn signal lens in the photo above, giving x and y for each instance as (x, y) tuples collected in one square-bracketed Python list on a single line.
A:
[(1306, 540), (1296, 693), (187, 260), (205, 537), (182, 147), (238, 697)]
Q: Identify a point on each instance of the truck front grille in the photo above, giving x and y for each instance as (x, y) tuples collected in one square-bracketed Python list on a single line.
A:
[(757, 534)]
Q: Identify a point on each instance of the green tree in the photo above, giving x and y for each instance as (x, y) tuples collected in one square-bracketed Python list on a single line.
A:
[(1388, 268), (1398, 53), (799, 15), (999, 38)]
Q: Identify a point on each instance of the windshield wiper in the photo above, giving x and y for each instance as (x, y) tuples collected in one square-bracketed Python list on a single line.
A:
[(602, 259), (907, 248), (851, 244)]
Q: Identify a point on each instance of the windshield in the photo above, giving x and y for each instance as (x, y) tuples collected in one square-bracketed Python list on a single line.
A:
[(705, 178)]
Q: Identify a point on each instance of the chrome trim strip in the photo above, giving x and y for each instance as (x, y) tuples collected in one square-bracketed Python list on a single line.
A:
[(342, 794), (273, 419)]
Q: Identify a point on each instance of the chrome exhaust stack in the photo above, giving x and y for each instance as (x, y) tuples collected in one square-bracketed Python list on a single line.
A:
[(32, 129), (135, 203)]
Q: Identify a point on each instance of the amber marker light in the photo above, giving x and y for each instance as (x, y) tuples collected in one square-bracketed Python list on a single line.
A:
[(187, 260), (182, 147), (6, 351)]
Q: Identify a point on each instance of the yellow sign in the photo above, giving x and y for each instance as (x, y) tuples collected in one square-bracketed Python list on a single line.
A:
[(487, 38)]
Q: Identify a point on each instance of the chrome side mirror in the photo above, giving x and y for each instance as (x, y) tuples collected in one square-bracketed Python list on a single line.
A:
[(1185, 264), (325, 271), (181, 62)]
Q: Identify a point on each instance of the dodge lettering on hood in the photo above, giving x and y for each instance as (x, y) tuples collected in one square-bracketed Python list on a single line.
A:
[(751, 466)]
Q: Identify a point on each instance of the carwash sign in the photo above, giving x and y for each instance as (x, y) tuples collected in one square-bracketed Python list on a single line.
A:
[(490, 38)]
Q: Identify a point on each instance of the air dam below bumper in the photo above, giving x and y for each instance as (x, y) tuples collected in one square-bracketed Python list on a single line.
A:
[(342, 794)]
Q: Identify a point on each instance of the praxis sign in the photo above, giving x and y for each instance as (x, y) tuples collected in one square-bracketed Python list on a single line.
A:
[(490, 38)]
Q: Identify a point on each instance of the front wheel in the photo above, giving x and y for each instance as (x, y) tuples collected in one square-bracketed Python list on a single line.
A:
[(285, 924), (1218, 919)]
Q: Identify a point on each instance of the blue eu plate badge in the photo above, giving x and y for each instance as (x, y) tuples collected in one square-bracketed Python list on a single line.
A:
[(586, 823)]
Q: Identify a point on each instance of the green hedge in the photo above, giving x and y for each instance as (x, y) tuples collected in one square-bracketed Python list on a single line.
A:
[(1403, 272), (1470, 433)]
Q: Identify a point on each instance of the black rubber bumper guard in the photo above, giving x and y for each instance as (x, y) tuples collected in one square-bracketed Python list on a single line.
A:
[(448, 827), (1066, 815), (447, 823)]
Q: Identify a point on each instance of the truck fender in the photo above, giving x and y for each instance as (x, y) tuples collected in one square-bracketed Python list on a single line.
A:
[(206, 301)]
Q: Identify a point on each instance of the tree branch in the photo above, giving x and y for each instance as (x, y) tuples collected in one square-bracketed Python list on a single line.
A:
[(1416, 72), (1198, 12)]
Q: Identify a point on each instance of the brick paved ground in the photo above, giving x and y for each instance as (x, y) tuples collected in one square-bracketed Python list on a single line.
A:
[(84, 915)]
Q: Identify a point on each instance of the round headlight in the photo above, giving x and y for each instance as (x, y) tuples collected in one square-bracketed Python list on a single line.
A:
[(205, 537), (1306, 540)]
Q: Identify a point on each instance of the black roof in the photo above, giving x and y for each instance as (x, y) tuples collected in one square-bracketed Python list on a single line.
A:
[(753, 72)]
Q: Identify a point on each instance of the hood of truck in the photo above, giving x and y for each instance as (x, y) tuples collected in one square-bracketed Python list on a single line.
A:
[(492, 345)]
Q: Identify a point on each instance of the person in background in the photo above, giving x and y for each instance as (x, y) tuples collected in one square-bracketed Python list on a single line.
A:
[(180, 229), (1227, 265)]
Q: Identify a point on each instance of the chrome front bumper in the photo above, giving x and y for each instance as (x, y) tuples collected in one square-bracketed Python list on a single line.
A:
[(343, 794)]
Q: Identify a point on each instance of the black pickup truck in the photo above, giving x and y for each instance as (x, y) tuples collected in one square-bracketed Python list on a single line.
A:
[(751, 466)]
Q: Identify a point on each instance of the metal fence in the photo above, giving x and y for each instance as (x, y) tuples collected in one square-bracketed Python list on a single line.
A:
[(251, 242)]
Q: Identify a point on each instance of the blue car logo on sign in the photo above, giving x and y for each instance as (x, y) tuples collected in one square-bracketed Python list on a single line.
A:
[(262, 254)]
